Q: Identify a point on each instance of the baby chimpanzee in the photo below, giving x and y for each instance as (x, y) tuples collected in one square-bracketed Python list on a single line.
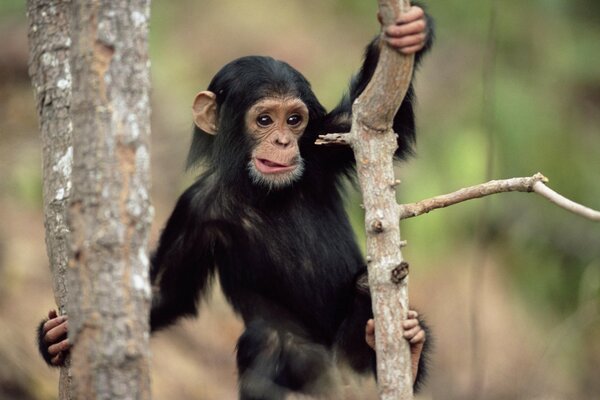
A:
[(267, 218)]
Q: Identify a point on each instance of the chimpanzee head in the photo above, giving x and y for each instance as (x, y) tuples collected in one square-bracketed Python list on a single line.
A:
[(252, 117)]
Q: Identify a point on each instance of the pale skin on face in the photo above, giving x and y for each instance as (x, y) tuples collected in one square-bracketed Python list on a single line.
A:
[(284, 114), (413, 332), (276, 125)]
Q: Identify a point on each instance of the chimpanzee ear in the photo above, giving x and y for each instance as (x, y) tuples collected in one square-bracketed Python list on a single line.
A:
[(205, 111)]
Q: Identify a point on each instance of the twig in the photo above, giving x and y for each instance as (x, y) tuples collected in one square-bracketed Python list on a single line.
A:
[(334, 139), (535, 183), (565, 203)]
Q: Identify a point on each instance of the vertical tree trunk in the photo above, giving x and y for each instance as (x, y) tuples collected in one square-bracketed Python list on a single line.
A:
[(110, 212), (374, 144), (90, 71), (50, 42)]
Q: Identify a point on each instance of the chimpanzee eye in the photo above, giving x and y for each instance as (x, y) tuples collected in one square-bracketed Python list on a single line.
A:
[(264, 120), (294, 120)]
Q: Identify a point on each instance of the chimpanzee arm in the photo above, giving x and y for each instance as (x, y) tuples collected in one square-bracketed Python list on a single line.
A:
[(181, 269), (182, 266), (339, 119)]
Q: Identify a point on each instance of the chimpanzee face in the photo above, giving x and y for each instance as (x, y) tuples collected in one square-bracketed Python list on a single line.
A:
[(274, 125)]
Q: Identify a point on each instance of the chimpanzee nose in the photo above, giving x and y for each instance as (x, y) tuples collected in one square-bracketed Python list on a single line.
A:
[(282, 140)]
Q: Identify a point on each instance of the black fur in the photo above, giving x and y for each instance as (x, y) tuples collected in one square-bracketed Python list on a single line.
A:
[(286, 258), (424, 361)]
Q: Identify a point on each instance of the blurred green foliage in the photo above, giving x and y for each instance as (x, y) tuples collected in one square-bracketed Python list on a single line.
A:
[(12, 7)]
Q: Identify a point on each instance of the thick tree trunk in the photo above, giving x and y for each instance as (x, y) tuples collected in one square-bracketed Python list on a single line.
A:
[(90, 71), (50, 74), (110, 212)]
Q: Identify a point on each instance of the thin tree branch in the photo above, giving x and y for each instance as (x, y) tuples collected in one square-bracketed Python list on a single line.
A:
[(565, 203), (339, 139), (535, 183)]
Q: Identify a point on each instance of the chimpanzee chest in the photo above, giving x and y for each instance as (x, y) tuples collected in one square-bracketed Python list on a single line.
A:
[(304, 257)]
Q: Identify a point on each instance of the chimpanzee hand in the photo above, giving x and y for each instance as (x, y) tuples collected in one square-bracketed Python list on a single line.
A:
[(413, 332), (52, 339), (409, 33)]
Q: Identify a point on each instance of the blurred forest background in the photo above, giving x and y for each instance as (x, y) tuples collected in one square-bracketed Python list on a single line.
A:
[(510, 285)]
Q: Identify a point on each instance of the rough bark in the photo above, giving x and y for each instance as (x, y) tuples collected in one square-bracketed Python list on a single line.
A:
[(109, 212), (374, 144), (50, 74), (105, 102)]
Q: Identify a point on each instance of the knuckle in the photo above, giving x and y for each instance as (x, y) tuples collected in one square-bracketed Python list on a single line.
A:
[(48, 339), (51, 335), (47, 326), (394, 30), (418, 338), (52, 350)]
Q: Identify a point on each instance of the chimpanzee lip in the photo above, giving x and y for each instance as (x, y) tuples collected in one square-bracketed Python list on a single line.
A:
[(267, 166)]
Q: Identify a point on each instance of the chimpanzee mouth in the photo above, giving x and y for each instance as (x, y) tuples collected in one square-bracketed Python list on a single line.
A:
[(274, 175), (271, 167)]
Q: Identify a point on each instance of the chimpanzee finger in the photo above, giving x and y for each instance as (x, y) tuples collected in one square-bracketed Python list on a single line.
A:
[(370, 333), (410, 323), (53, 323), (411, 50), (410, 333), (420, 337), (57, 332), (58, 347), (52, 314), (370, 327), (412, 28), (406, 42), (412, 314), (414, 13), (58, 359)]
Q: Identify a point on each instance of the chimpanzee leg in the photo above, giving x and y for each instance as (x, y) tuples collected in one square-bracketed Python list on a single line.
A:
[(273, 361)]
